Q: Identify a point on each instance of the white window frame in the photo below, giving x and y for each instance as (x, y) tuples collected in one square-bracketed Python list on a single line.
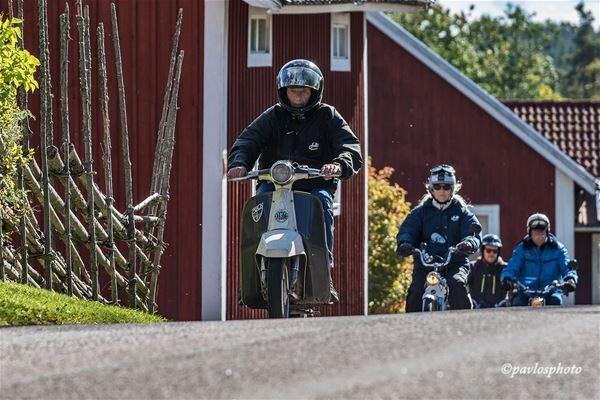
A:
[(337, 200), (492, 212), (260, 59), (340, 63)]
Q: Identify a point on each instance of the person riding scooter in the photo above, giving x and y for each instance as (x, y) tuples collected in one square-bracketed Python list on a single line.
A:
[(441, 221), (301, 129), (537, 261), (484, 279)]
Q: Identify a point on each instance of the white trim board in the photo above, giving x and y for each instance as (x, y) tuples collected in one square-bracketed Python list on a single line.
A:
[(214, 190), (275, 7), (487, 102)]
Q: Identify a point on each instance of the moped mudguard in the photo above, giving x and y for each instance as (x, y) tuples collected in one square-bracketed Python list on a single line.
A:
[(280, 244)]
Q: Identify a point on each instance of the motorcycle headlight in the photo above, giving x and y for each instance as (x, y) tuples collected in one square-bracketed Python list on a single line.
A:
[(432, 279), (282, 172)]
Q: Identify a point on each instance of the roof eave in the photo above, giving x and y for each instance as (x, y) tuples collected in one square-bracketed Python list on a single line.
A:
[(487, 102), (275, 7)]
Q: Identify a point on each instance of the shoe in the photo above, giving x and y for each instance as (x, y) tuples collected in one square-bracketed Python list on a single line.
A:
[(334, 297)]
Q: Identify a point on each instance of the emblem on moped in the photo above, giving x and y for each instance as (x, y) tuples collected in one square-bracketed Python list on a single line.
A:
[(281, 216), (257, 212), (314, 146), (437, 238)]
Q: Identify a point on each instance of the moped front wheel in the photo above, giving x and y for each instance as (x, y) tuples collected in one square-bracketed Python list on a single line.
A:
[(278, 288), (430, 305)]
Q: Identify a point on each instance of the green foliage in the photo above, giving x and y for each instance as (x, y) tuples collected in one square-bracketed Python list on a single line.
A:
[(389, 275), (17, 69), (582, 80), (26, 305), (504, 55)]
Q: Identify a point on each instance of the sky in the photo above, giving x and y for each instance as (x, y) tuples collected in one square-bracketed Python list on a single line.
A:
[(557, 10)]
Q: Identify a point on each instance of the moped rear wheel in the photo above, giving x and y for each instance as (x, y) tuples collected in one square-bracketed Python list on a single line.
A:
[(278, 288)]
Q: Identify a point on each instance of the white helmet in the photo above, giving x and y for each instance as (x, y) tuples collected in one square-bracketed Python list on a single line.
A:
[(442, 173), (538, 221)]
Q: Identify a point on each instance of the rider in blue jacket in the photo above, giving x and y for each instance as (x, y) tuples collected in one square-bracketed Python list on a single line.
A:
[(537, 261), (441, 220)]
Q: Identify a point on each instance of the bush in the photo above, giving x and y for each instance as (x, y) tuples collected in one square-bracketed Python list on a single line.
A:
[(17, 69), (389, 275)]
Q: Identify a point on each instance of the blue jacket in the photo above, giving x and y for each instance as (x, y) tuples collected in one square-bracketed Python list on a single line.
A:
[(440, 229), (537, 267)]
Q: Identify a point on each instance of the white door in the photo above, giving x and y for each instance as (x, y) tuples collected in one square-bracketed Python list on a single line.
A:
[(596, 269)]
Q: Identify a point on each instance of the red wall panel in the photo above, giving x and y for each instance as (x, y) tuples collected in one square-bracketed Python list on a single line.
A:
[(252, 90), (417, 120), (145, 30), (583, 254)]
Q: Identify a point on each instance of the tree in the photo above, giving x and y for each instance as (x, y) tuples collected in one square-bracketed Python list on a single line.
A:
[(583, 77), (504, 55), (17, 69), (389, 275)]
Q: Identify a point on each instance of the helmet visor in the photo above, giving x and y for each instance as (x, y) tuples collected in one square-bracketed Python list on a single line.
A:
[(299, 76)]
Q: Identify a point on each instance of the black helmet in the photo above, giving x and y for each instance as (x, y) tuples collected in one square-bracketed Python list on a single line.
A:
[(300, 73), (538, 221), (442, 173), (491, 240)]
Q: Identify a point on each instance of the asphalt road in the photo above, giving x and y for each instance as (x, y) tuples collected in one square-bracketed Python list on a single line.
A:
[(458, 354)]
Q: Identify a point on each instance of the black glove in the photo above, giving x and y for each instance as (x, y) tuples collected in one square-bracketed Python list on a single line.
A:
[(405, 249), (465, 247), (507, 284), (569, 285)]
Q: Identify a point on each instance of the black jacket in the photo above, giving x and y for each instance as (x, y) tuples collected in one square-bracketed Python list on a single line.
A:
[(320, 137), (484, 282)]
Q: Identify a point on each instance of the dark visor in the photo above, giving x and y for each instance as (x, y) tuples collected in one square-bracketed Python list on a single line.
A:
[(299, 76)]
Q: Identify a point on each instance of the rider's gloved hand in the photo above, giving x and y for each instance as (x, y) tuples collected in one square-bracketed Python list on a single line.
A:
[(331, 170), (569, 285), (405, 249), (507, 284), (465, 247), (237, 172)]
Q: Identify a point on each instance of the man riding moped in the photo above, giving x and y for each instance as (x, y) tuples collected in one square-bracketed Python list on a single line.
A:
[(305, 133)]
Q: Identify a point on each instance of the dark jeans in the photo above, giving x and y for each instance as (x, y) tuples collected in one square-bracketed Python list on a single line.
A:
[(457, 290), (326, 200), (522, 299)]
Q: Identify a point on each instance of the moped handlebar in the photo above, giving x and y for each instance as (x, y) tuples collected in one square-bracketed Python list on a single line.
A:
[(555, 285), (299, 171), (427, 260)]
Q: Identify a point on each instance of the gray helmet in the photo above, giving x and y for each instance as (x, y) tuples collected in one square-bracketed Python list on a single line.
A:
[(538, 221), (442, 173), (301, 73)]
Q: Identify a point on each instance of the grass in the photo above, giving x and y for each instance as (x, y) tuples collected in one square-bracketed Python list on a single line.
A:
[(26, 305)]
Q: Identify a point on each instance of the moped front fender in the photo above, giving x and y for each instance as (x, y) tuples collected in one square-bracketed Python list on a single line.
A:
[(280, 244)]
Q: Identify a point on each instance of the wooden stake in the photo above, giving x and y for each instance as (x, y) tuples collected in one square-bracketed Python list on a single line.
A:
[(84, 74), (168, 157), (126, 158), (45, 134), (66, 139)]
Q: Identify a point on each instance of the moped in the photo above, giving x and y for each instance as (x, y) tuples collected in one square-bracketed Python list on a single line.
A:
[(436, 287), (284, 258)]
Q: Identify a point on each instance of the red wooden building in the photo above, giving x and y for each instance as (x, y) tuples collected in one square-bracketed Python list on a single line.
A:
[(233, 50), (422, 111)]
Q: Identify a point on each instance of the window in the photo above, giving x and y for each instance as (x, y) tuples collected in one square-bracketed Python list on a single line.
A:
[(489, 218), (260, 38), (340, 42)]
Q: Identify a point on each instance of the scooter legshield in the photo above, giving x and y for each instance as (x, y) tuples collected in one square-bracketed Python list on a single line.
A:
[(311, 225), (255, 222)]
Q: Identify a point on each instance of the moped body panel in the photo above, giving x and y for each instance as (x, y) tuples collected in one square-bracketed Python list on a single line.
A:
[(313, 280)]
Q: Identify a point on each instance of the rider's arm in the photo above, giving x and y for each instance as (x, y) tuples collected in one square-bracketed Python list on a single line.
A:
[(251, 142), (411, 229), (345, 145), (470, 229), (563, 262), (511, 270)]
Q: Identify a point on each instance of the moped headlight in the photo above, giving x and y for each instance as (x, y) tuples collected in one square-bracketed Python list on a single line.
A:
[(282, 172), (432, 279)]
